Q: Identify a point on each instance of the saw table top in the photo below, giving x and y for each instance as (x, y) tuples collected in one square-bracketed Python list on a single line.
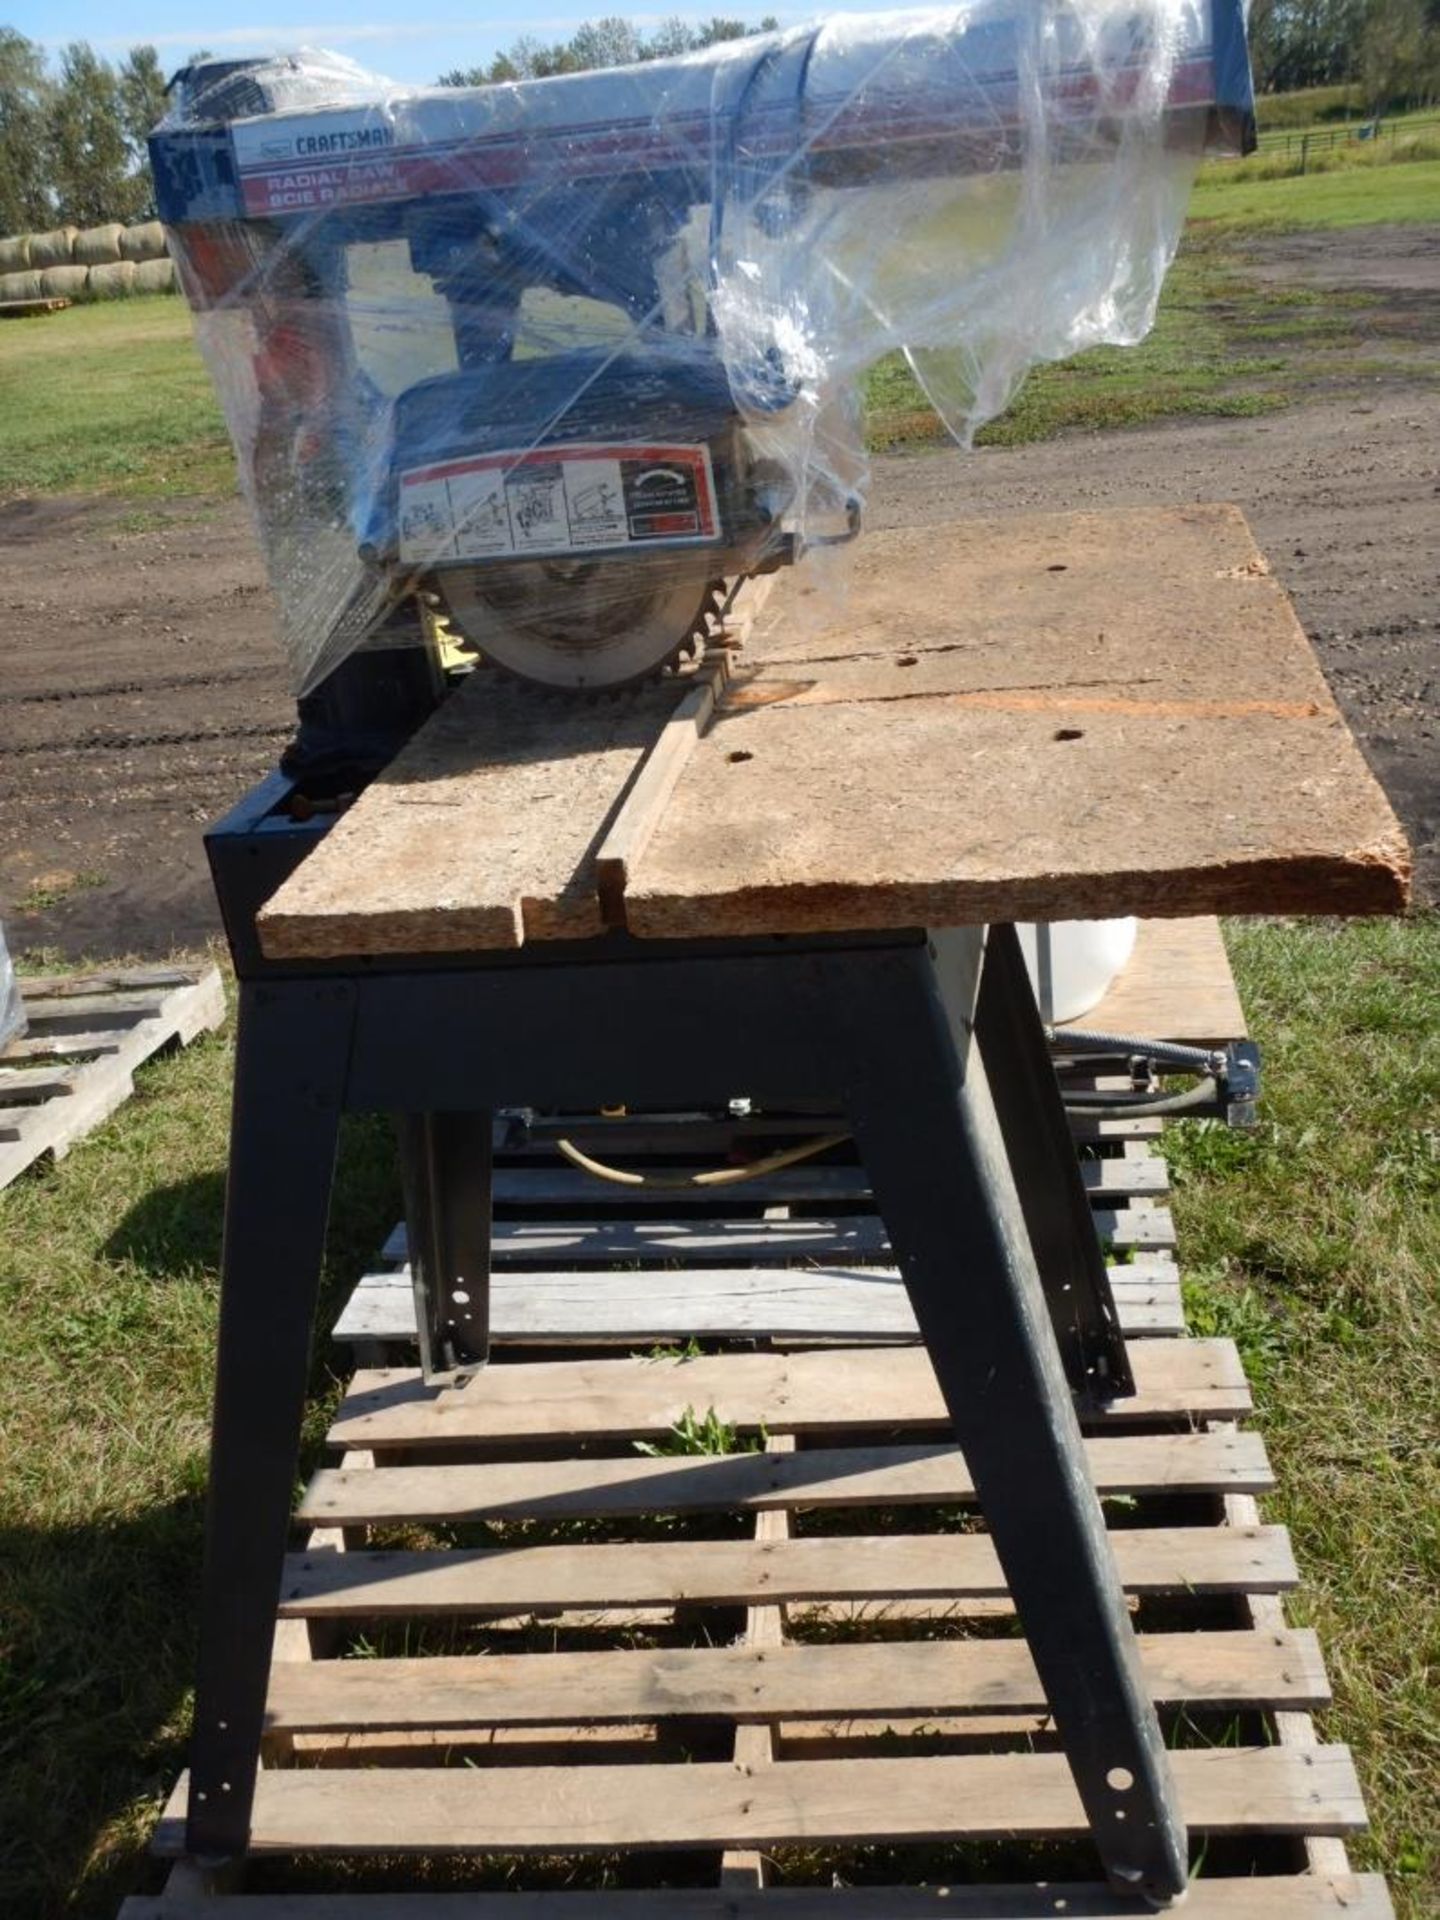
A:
[(1054, 716)]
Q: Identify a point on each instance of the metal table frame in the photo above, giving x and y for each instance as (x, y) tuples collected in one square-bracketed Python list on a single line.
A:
[(930, 1044)]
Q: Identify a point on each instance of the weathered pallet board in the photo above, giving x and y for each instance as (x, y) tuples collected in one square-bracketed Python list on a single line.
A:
[(25, 309), (817, 1478), (1269, 1897), (636, 1307), (373, 1583), (96, 1029), (748, 1683), (568, 1186), (389, 1810), (891, 1388), (1176, 985), (720, 1242)]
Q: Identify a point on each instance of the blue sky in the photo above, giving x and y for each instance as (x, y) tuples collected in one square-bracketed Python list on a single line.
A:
[(414, 45)]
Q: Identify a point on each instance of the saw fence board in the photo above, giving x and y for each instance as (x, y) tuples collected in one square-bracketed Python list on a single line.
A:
[(1043, 717)]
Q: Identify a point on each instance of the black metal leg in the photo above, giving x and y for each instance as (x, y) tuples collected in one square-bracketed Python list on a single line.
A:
[(920, 1101), (446, 1160), (291, 1057), (1041, 1152)]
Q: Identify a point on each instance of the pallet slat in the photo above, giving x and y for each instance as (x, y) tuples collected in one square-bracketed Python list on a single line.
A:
[(717, 1303), (122, 1019), (567, 1186), (766, 1683), (847, 1802), (722, 1242), (388, 1583), (1272, 1897), (782, 1393), (818, 1477)]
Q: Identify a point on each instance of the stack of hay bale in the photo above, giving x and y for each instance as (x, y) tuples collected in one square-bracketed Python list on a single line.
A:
[(98, 263)]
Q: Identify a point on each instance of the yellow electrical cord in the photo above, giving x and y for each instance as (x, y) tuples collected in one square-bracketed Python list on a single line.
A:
[(716, 1177)]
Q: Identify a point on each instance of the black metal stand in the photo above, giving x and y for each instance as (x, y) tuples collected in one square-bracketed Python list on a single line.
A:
[(908, 1034)]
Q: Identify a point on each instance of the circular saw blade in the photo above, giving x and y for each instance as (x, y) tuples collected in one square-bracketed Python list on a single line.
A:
[(583, 624)]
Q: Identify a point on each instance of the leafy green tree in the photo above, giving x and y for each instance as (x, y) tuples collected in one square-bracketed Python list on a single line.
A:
[(91, 168), (1399, 53), (608, 42), (25, 199)]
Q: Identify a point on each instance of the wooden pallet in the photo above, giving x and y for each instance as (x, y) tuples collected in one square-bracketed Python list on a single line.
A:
[(811, 1657), (793, 1661), (22, 309), (85, 1036)]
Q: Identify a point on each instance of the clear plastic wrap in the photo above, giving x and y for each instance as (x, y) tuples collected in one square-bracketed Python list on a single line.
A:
[(12, 1007), (560, 356)]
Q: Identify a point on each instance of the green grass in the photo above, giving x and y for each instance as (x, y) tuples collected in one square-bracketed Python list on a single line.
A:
[(1314, 1242), (111, 398), (1348, 197), (1223, 344), (107, 1324), (1197, 360)]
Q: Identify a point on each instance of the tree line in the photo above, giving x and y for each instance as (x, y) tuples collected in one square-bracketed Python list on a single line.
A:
[(72, 131), (611, 42), (72, 134), (1388, 50)]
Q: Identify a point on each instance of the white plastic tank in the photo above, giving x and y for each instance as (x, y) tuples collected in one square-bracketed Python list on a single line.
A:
[(1072, 963)]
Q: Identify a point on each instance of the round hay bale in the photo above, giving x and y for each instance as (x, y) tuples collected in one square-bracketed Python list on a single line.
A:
[(54, 249), (145, 242), (113, 281), (20, 286), (98, 246), (64, 283), (15, 253), (156, 276)]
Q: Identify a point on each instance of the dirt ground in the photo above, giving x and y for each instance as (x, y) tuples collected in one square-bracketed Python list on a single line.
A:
[(141, 686)]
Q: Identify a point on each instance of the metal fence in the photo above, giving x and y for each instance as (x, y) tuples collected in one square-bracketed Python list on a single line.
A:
[(1302, 142)]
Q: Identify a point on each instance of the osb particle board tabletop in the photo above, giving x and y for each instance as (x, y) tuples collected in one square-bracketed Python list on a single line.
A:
[(1052, 716)]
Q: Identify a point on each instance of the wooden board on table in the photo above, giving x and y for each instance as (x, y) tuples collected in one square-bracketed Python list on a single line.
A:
[(1057, 717), (85, 1036), (481, 834), (1042, 717)]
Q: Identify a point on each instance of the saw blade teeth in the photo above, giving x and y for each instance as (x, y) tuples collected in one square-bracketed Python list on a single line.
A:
[(702, 629)]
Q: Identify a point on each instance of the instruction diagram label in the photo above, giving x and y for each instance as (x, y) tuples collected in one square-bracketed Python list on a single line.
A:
[(562, 499)]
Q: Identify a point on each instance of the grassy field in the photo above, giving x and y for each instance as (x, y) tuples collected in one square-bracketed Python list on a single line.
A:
[(112, 398), (1353, 196), (1315, 1242)]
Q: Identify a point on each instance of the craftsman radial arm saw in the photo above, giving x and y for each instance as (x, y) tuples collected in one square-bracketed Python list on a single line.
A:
[(558, 363)]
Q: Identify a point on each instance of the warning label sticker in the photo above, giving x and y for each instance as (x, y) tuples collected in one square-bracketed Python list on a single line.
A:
[(557, 500)]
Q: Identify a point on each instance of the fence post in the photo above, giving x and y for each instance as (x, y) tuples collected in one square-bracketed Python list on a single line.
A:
[(1304, 151)]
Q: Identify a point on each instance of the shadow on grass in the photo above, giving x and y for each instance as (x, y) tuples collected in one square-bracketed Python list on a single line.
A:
[(174, 1229), (94, 1678), (98, 1612)]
